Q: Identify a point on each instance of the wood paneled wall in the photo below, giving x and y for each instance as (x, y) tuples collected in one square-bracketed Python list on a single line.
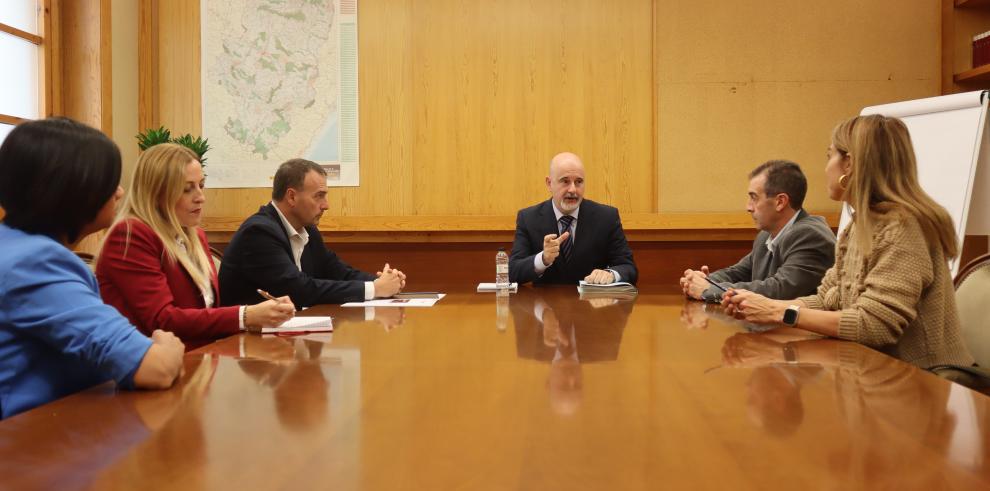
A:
[(670, 103), (743, 82), (464, 103)]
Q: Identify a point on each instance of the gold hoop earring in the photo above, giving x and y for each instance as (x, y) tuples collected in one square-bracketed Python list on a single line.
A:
[(843, 181)]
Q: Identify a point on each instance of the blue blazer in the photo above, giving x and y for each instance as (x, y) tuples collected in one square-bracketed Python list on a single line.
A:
[(599, 243), (56, 334), (260, 256)]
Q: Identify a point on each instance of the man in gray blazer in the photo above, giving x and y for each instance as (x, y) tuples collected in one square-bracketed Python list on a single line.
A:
[(790, 254)]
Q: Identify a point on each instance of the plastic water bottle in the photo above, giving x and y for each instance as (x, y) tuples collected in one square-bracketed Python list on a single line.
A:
[(501, 269)]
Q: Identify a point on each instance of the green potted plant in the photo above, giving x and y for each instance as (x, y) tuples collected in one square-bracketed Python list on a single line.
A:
[(151, 137)]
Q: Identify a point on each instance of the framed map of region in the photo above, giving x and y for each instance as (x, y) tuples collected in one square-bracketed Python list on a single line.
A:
[(279, 82)]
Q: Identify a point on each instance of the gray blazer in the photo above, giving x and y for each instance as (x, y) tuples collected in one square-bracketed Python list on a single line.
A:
[(801, 256)]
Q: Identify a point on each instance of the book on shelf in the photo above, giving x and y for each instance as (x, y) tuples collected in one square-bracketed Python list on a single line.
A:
[(981, 49)]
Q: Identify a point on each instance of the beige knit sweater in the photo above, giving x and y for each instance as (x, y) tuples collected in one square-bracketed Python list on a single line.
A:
[(898, 300)]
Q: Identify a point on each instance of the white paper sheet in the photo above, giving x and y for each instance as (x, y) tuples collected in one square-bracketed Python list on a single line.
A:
[(397, 302)]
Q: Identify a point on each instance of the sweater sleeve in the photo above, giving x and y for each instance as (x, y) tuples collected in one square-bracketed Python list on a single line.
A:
[(897, 272), (827, 297)]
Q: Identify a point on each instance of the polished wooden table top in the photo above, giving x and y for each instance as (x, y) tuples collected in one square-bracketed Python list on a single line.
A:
[(547, 391)]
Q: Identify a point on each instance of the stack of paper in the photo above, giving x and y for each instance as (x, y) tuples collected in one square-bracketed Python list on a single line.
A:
[(490, 287), (301, 325), (428, 295), (415, 301), (618, 290)]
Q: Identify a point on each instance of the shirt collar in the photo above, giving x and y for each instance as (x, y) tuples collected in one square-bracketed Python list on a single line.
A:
[(289, 229), (772, 240)]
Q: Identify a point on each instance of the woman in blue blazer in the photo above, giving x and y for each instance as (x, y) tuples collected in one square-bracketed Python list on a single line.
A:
[(59, 182)]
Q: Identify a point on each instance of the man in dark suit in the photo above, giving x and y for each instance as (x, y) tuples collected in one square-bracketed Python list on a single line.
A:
[(279, 249), (790, 254), (568, 238)]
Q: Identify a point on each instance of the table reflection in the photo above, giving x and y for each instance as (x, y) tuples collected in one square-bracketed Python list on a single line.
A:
[(896, 417), (176, 421), (573, 394), (293, 369), (696, 315), (49, 454), (555, 326), (389, 318)]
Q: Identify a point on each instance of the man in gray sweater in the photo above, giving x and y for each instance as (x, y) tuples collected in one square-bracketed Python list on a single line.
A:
[(790, 254)]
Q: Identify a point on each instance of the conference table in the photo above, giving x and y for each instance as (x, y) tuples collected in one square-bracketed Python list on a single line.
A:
[(540, 389)]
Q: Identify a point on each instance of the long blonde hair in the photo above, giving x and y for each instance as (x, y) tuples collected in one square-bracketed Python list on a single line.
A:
[(158, 183), (884, 173)]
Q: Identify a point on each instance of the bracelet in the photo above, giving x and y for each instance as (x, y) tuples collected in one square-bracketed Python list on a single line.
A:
[(244, 317)]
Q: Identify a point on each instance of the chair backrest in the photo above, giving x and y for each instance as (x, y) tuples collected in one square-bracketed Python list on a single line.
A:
[(217, 257), (973, 300)]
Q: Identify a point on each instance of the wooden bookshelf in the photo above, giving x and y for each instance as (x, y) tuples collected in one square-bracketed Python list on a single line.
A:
[(961, 20), (972, 3), (980, 74)]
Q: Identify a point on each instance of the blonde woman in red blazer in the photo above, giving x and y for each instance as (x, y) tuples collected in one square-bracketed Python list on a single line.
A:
[(154, 266)]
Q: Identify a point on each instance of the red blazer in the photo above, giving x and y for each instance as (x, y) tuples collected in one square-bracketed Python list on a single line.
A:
[(156, 294)]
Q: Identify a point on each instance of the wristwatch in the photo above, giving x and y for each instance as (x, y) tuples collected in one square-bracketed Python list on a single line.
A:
[(791, 315)]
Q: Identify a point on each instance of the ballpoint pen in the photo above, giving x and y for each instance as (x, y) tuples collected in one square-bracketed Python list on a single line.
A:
[(266, 295), (716, 285)]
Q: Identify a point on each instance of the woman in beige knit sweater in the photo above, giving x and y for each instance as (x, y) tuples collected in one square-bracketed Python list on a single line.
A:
[(890, 288)]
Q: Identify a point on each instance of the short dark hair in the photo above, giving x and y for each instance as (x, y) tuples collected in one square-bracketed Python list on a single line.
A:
[(291, 174), (783, 176), (56, 175)]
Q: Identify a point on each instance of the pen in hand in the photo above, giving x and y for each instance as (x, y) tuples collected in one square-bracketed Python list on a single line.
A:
[(716, 285), (267, 295)]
